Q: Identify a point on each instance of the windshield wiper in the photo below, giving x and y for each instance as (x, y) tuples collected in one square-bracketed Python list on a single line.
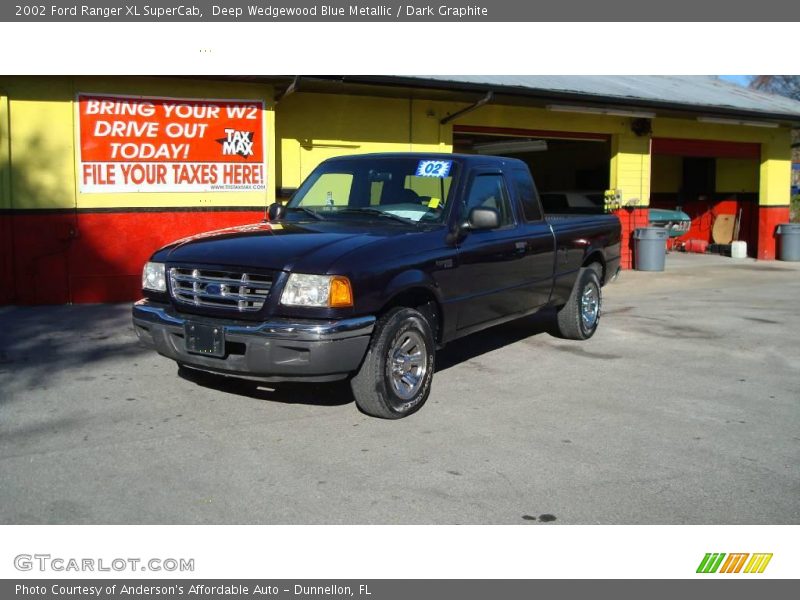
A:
[(377, 212), (308, 211)]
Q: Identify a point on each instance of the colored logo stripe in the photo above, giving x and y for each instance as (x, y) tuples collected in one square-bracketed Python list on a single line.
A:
[(758, 563), (710, 562), (733, 564)]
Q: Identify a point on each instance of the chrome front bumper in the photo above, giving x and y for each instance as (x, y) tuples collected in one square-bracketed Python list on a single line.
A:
[(275, 350)]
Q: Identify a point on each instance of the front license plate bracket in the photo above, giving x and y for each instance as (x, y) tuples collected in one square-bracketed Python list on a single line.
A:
[(208, 340)]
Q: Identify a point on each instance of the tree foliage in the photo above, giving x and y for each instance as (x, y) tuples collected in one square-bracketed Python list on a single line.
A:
[(784, 85)]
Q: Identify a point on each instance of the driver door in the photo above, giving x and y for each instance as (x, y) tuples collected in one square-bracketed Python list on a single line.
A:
[(490, 282)]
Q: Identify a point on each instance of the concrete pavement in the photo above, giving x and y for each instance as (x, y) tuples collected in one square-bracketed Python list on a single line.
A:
[(684, 408)]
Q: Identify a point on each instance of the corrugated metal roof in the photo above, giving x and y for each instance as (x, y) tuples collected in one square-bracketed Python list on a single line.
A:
[(692, 91)]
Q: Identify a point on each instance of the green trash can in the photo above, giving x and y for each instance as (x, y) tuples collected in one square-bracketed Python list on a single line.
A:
[(650, 248), (788, 241)]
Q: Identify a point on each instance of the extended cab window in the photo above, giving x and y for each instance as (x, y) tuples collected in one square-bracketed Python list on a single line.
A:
[(489, 191), (555, 203), (527, 194)]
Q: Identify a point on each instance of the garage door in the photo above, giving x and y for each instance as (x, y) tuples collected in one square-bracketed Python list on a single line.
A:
[(563, 163)]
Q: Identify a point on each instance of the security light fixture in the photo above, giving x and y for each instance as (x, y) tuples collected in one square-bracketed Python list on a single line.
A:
[(721, 121)]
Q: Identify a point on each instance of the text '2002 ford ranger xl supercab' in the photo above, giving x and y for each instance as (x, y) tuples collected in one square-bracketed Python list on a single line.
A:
[(375, 262)]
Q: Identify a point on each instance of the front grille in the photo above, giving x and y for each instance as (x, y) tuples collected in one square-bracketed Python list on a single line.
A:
[(233, 290)]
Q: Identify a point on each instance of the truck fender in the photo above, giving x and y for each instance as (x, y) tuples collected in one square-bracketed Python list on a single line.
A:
[(418, 286), (594, 254)]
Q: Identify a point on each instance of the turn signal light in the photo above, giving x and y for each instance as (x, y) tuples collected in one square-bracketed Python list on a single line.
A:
[(341, 294)]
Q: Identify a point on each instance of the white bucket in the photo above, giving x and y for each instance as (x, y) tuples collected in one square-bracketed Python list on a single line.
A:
[(738, 249)]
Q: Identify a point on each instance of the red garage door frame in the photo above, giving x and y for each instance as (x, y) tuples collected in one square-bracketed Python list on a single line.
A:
[(705, 148)]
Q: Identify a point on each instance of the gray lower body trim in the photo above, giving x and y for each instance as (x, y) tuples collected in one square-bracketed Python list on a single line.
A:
[(276, 350)]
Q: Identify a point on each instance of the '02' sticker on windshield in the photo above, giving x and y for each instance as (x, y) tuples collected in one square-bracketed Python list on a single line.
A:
[(434, 168)]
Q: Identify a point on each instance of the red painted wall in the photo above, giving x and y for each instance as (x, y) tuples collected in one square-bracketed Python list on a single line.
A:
[(630, 219), (769, 217), (757, 227), (56, 258), (6, 260), (704, 212)]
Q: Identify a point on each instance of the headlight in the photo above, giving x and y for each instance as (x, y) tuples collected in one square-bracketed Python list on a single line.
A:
[(332, 291), (153, 277)]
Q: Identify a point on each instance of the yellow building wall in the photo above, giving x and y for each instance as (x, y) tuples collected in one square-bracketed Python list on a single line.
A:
[(306, 128), (732, 174), (43, 131), (667, 174), (775, 167), (737, 175), (42, 142), (630, 169), (496, 115), (313, 127), (776, 172), (5, 165)]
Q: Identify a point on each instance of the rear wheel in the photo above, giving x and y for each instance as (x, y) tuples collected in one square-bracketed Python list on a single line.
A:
[(579, 317), (395, 378)]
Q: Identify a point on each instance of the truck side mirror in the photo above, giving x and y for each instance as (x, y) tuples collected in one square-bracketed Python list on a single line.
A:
[(481, 217), (276, 211)]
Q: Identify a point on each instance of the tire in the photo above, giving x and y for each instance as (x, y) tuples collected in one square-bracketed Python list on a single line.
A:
[(578, 320), (395, 378)]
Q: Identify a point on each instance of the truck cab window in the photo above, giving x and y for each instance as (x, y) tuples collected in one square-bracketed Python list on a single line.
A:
[(330, 189), (415, 189), (489, 191), (527, 194)]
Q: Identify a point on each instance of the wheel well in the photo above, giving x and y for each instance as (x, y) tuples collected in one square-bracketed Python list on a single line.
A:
[(597, 257), (422, 300)]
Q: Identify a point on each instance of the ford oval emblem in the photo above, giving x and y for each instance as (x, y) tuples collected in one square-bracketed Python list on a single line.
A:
[(213, 288)]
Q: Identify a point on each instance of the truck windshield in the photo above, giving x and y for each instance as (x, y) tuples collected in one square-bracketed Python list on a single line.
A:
[(414, 189)]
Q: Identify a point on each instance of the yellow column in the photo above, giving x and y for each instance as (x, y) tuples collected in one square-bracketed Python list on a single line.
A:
[(630, 174), (630, 168), (5, 164), (6, 246), (774, 190), (776, 170)]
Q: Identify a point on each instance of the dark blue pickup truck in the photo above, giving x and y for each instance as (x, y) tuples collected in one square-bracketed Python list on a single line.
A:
[(375, 262)]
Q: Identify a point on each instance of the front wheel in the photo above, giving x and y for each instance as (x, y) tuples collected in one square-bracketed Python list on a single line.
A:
[(578, 318), (395, 378)]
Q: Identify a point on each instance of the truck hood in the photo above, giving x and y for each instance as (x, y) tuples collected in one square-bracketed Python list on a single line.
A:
[(282, 246)]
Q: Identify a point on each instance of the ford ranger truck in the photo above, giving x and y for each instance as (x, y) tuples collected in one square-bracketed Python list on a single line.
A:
[(376, 262)]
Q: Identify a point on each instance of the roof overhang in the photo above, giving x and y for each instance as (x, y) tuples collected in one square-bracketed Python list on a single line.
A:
[(471, 93)]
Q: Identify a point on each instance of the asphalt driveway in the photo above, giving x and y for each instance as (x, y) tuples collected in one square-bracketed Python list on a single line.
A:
[(684, 408)]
